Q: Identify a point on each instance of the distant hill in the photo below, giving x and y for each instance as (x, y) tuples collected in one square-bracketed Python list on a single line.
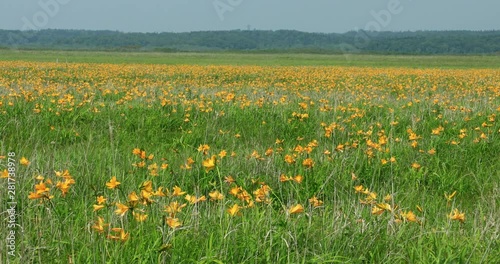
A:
[(419, 42)]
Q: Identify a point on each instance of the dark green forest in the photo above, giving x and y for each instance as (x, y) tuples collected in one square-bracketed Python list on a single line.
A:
[(415, 42)]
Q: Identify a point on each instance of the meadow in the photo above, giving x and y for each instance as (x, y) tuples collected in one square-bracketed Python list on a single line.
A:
[(231, 161)]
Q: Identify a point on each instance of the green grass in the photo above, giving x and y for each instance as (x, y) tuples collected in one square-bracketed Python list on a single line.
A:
[(94, 146), (363, 60)]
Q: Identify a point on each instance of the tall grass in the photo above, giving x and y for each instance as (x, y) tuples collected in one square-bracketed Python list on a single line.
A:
[(352, 130)]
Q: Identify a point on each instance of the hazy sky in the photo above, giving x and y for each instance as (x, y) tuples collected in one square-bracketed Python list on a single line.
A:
[(193, 15)]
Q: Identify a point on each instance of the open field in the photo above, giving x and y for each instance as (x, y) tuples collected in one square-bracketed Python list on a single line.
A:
[(360, 60), (283, 160)]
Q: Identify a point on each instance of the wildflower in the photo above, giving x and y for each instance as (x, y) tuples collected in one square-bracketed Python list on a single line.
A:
[(416, 166), (409, 216), (457, 215), (269, 152), (136, 151), (358, 189), (296, 209), (216, 196), (178, 191), (23, 161), (222, 154), (385, 206), (113, 183), (121, 209), (139, 217), (133, 199), (229, 179), (308, 163), (315, 202), (147, 186), (5, 174), (298, 178), (98, 207), (121, 237), (64, 186), (234, 210), (100, 225), (173, 222), (174, 207), (377, 210), (289, 159), (194, 200), (209, 164), (204, 148), (449, 197)]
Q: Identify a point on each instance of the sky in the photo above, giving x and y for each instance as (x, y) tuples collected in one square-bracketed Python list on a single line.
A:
[(328, 16)]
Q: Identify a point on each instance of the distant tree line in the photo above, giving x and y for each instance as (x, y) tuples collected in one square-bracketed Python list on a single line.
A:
[(415, 42)]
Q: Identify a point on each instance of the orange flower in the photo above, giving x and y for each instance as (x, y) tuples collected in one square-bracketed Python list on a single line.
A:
[(209, 164), (121, 209), (296, 209), (234, 210), (308, 163), (173, 222), (216, 196), (139, 217), (178, 191), (457, 215), (173, 208), (23, 161), (113, 183), (289, 159), (315, 202), (98, 207), (100, 225)]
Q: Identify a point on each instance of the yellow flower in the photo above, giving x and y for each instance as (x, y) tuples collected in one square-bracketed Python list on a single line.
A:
[(222, 154), (204, 148), (64, 186), (315, 202), (209, 164), (194, 200), (5, 174), (409, 216), (234, 210), (416, 166), (216, 196), (385, 206), (173, 208), (359, 188), (100, 225), (289, 159), (450, 197), (98, 207), (298, 178), (178, 191), (23, 161), (113, 183), (173, 222), (457, 215), (296, 209), (122, 235), (139, 217), (308, 163), (136, 151), (377, 210), (122, 209)]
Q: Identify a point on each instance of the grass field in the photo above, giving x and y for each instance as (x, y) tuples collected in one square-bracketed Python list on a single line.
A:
[(224, 158), (222, 58)]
